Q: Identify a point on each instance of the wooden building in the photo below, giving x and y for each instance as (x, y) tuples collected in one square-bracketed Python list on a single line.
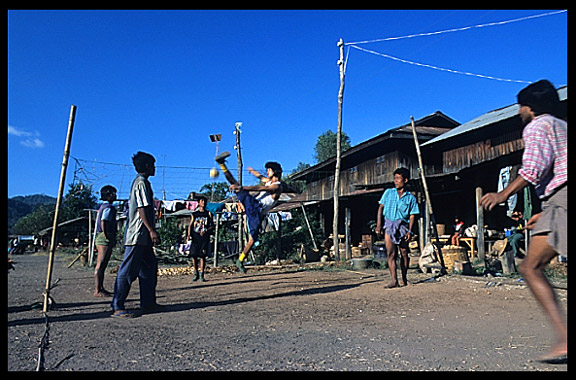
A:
[(471, 156), (458, 160), (366, 171)]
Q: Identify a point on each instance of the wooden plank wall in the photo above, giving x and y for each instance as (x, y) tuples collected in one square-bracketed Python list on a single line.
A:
[(463, 157)]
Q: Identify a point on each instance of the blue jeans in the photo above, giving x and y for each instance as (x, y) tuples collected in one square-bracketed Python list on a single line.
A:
[(139, 261), (253, 209)]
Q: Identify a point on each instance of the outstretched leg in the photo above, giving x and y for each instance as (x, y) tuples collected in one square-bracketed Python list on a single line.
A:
[(221, 160)]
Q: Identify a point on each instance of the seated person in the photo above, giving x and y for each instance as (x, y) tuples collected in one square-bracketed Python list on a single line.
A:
[(458, 228), (516, 228)]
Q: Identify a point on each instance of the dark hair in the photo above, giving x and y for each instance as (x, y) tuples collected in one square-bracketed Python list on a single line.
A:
[(405, 173), (106, 191), (202, 197), (541, 97), (142, 160), (276, 168)]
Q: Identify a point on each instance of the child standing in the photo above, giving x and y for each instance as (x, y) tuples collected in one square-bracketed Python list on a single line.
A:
[(201, 224), (105, 238)]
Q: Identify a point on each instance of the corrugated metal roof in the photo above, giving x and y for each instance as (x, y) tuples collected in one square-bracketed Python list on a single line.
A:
[(488, 118)]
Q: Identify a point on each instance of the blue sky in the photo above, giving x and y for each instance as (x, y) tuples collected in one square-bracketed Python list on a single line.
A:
[(163, 81)]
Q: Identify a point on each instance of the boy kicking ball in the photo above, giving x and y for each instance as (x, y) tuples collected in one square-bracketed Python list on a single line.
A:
[(256, 206)]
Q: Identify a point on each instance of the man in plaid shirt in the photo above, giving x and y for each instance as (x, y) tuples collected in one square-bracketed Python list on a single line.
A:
[(544, 165)]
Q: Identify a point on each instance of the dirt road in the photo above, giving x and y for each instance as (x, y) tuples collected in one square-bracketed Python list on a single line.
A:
[(279, 320)]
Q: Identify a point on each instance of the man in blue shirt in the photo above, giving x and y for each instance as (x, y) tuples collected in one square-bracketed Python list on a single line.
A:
[(399, 208)]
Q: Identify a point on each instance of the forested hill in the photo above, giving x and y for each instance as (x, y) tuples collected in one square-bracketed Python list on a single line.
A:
[(20, 206)]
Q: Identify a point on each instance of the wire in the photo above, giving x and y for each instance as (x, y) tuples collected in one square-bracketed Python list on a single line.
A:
[(458, 29), (437, 67)]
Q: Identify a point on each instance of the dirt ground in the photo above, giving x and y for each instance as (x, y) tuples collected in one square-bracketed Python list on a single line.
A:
[(285, 319)]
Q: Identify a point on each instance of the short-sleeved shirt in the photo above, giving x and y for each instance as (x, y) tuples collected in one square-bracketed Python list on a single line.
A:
[(396, 208), (141, 195), (545, 158), (107, 212)]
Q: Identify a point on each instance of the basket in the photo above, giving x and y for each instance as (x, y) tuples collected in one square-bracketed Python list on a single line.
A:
[(451, 254)]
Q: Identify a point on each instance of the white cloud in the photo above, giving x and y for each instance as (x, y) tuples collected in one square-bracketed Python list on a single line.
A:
[(32, 142), (31, 139), (17, 132)]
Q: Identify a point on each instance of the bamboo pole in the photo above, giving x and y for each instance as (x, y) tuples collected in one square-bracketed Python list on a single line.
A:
[(428, 201), (338, 152), (241, 223), (58, 203)]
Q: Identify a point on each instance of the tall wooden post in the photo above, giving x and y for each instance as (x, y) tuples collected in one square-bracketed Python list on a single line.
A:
[(53, 242), (338, 151), (480, 223), (216, 239), (428, 201), (348, 233)]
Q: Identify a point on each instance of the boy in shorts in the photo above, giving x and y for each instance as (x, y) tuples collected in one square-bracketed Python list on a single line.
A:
[(106, 229), (545, 166), (201, 224)]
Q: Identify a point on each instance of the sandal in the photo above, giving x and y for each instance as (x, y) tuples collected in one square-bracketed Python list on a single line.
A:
[(122, 314)]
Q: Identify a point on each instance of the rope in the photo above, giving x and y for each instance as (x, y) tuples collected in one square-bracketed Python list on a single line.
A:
[(458, 29), (438, 68)]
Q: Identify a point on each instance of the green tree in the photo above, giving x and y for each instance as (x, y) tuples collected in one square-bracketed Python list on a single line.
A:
[(42, 217), (326, 145), (220, 191), (170, 233), (77, 200)]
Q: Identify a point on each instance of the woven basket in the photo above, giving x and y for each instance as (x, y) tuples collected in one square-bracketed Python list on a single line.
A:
[(453, 253)]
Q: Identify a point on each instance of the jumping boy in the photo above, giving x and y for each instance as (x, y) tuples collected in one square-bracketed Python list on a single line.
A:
[(256, 206), (399, 209)]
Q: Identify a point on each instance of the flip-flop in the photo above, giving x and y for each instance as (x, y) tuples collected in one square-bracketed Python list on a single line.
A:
[(122, 314)]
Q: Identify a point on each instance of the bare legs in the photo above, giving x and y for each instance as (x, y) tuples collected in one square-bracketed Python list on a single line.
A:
[(104, 253), (539, 255), (392, 251)]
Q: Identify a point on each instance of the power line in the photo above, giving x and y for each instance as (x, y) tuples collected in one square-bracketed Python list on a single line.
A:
[(458, 29), (437, 67)]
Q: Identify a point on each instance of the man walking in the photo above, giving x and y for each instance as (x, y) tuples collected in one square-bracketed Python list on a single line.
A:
[(140, 234)]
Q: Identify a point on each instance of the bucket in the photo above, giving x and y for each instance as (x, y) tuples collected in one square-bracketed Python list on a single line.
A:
[(361, 263)]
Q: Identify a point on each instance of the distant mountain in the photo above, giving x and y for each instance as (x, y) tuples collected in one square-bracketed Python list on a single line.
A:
[(20, 206)]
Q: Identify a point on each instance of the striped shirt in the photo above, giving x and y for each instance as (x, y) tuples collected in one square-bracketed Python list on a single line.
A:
[(396, 208), (545, 158)]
